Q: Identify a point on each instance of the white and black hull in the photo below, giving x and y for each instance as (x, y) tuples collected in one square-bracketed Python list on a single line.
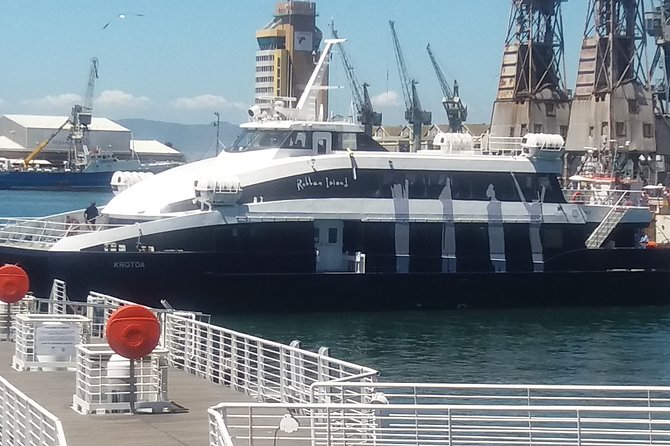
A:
[(292, 230), (185, 280), (275, 267)]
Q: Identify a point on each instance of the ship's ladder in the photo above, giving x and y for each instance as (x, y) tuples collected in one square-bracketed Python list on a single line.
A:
[(607, 225)]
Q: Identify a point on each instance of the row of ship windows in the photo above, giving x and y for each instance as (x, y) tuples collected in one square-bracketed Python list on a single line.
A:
[(265, 68), (263, 90), (263, 79), (265, 58)]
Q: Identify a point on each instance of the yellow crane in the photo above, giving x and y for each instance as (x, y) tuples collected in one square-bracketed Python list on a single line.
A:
[(36, 151)]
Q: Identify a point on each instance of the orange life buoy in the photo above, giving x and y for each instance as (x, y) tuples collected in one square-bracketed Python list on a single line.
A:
[(133, 331), (14, 283)]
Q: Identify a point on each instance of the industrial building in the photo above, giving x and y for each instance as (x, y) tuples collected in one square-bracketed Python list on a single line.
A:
[(20, 134), (531, 94), (612, 108), (288, 48)]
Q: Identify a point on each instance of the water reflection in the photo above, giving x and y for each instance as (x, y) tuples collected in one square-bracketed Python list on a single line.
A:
[(548, 346)]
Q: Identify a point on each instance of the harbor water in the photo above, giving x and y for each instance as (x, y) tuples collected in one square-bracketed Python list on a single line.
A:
[(610, 345)]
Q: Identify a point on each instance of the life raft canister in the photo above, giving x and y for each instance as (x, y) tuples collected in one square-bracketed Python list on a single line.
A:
[(133, 331), (14, 283)]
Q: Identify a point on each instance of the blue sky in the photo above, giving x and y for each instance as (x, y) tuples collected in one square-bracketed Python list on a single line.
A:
[(185, 59)]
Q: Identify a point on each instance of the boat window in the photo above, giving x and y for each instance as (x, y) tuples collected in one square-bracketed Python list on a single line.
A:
[(299, 140), (256, 139), (332, 235), (348, 141)]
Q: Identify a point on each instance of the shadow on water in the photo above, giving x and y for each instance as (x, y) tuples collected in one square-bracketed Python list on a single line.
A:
[(544, 346)]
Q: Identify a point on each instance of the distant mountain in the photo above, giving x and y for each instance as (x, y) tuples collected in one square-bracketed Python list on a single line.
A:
[(194, 141)]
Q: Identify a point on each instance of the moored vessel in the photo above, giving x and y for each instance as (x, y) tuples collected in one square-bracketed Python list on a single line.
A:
[(306, 214)]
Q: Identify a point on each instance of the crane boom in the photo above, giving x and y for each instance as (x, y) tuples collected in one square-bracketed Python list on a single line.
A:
[(402, 68), (366, 113), (414, 113), (457, 113), (90, 89), (41, 146), (440, 75)]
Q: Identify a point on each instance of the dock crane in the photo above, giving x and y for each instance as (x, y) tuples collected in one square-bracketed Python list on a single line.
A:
[(658, 27), (414, 113), (457, 113), (366, 113), (82, 115), (80, 118)]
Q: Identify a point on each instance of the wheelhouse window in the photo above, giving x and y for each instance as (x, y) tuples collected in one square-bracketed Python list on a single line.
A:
[(260, 139), (251, 140)]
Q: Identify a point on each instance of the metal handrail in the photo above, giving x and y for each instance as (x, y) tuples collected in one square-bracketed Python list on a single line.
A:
[(264, 369), (47, 231), (218, 432), (608, 223), (441, 424), (24, 421), (268, 370), (510, 394)]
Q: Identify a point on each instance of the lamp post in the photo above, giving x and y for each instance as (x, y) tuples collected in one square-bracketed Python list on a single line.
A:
[(216, 124)]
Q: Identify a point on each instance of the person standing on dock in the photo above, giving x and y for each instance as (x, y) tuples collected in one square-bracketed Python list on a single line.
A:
[(91, 213)]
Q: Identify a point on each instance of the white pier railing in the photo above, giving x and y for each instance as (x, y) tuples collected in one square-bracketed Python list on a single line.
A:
[(482, 394), (234, 424), (313, 399), (263, 369), (266, 370), (23, 422)]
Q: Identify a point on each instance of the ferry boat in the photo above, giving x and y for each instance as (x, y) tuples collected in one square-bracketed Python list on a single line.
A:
[(303, 214)]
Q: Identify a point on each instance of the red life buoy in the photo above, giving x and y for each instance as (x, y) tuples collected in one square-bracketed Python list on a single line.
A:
[(14, 283), (577, 197), (133, 331)]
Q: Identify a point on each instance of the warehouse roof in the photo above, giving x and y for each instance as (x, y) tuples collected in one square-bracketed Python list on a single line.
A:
[(144, 147), (53, 122)]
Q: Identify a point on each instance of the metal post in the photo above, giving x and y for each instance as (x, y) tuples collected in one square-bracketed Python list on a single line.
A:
[(8, 321), (218, 123), (132, 397)]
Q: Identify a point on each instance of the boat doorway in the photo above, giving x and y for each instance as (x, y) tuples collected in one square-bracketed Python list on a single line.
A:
[(322, 143), (328, 245)]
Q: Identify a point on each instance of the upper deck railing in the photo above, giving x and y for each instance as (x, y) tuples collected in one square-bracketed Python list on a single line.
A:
[(44, 232)]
